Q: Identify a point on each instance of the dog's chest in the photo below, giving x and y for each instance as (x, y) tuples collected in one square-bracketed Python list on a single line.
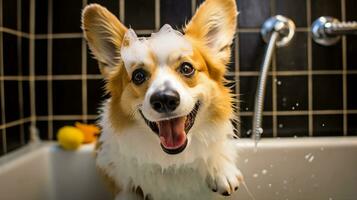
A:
[(181, 183)]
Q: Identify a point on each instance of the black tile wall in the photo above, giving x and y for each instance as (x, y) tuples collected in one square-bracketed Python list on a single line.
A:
[(291, 100), (1, 143), (9, 9), (96, 95), (327, 92), (293, 126), (112, 6), (13, 138), (67, 97), (67, 56), (10, 54), (328, 125), (287, 95), (41, 22), (26, 105), (25, 16), (248, 86), (351, 92), (12, 109), (327, 58), (251, 51), (175, 12), (351, 52), (41, 57), (41, 91), (297, 12), (253, 13), (140, 14), (67, 19), (352, 124), (293, 56), (325, 8), (25, 59)]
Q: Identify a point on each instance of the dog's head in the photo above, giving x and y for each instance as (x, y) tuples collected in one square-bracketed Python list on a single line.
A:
[(169, 82)]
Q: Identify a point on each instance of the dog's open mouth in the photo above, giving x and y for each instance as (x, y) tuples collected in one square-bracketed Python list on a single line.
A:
[(173, 132)]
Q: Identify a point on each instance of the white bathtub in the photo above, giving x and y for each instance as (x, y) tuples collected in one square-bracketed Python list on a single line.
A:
[(302, 168)]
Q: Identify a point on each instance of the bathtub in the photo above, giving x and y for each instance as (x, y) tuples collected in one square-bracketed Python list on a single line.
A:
[(286, 169)]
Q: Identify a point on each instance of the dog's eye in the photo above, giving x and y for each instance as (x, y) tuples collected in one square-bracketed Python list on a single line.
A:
[(139, 76), (187, 69)]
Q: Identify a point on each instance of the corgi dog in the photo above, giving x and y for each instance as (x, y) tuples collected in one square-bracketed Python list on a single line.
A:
[(166, 128)]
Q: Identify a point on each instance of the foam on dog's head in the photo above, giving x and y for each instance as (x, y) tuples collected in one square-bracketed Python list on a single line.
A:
[(161, 45), (167, 42), (133, 50)]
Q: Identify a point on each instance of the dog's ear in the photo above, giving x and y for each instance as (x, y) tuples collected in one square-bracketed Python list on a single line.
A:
[(104, 34), (214, 24)]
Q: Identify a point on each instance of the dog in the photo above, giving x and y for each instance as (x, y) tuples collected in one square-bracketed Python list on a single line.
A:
[(166, 128)]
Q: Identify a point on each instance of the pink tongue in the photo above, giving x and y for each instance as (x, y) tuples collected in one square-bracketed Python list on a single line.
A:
[(172, 132)]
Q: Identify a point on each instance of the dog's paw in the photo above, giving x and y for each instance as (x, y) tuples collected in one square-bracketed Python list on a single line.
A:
[(226, 181)]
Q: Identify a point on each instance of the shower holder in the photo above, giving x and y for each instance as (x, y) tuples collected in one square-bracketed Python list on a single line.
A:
[(327, 30), (283, 25)]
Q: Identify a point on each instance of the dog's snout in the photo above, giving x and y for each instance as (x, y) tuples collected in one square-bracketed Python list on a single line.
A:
[(165, 100)]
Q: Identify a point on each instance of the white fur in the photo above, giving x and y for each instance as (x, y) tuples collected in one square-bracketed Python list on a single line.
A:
[(134, 157)]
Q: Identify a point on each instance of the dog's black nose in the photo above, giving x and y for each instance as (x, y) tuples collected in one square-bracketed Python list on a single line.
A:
[(165, 100)]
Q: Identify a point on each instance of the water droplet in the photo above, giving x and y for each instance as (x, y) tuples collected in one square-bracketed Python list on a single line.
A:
[(278, 82), (260, 130), (295, 136), (281, 125), (323, 124), (297, 104), (271, 165), (246, 161), (249, 132), (285, 181), (255, 175), (264, 171), (309, 157), (284, 99), (269, 185), (330, 198), (293, 108), (246, 108)]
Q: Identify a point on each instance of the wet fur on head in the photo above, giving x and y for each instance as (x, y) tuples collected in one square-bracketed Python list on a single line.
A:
[(127, 143)]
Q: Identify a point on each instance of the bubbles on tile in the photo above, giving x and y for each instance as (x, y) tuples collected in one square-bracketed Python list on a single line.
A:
[(264, 171), (255, 175), (281, 125)]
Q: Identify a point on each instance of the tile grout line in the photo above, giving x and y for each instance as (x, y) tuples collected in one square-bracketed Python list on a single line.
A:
[(32, 63), (122, 10), (309, 66), (2, 83), (344, 69), (157, 14), (49, 70), (193, 7), (15, 123), (273, 74), (84, 75), (20, 84)]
